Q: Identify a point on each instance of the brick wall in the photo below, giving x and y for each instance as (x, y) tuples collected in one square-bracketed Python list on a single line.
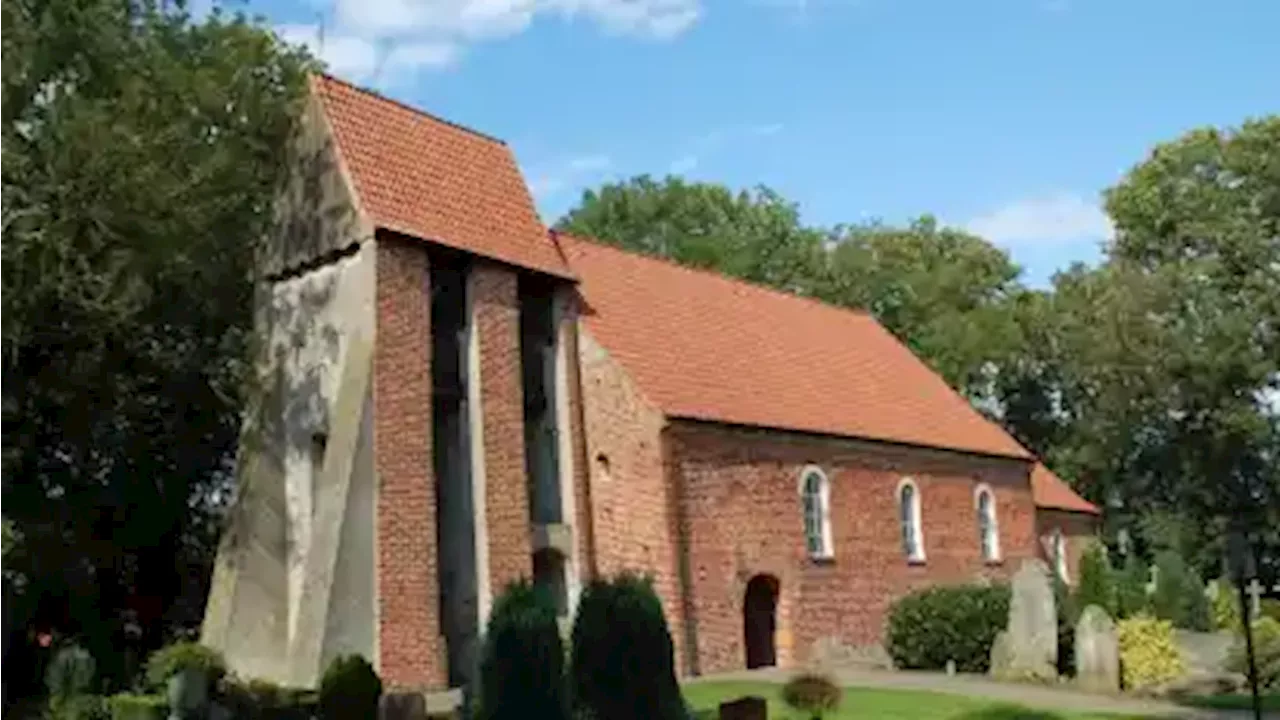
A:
[(1077, 529), (632, 518), (409, 642), (740, 489), (497, 320)]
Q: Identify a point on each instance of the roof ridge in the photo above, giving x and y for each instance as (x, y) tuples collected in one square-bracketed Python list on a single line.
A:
[(768, 289), (415, 110)]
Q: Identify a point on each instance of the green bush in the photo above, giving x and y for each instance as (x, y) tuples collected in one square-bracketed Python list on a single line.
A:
[(1270, 607), (812, 694), (349, 689), (958, 622), (1149, 656), (1225, 607), (128, 706), (256, 699), (172, 659), (1097, 584), (623, 665), (70, 673), (522, 665), (1266, 654), (1179, 596), (1131, 588)]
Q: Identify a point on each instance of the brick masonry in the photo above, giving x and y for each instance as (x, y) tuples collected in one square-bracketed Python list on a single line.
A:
[(497, 320), (741, 495), (1076, 528), (632, 518), (409, 641)]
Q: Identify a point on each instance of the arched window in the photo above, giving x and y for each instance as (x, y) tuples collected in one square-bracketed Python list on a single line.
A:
[(988, 525), (909, 518), (815, 498)]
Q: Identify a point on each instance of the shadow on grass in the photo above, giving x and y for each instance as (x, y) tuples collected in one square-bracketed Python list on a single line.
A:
[(1009, 712)]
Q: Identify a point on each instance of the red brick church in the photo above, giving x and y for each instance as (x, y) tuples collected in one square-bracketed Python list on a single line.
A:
[(454, 397)]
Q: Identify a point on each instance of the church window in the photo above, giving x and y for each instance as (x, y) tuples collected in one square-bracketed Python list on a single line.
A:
[(988, 527), (909, 518), (815, 496), (1059, 545)]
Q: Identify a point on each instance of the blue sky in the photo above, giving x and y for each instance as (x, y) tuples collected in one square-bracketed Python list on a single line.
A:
[(1007, 117)]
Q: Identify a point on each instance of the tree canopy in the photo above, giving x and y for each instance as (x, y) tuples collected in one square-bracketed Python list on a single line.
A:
[(141, 154)]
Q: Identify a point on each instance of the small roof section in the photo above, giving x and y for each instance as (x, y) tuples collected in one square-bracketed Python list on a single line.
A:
[(1052, 492), (424, 177), (703, 346)]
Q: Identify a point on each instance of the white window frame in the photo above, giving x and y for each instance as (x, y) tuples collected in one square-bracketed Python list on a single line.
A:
[(988, 536), (915, 514), (825, 549)]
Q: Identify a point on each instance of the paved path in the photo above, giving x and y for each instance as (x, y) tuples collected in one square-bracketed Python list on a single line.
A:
[(1033, 696)]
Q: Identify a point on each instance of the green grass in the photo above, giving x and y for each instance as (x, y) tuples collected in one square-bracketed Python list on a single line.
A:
[(1270, 701), (861, 703)]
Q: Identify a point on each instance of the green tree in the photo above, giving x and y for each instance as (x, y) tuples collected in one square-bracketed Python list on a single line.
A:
[(755, 235), (141, 154), (1131, 587), (1097, 582)]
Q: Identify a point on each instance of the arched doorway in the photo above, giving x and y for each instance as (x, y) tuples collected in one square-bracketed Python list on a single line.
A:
[(760, 621)]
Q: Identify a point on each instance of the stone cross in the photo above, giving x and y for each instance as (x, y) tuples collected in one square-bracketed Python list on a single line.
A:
[(1254, 591)]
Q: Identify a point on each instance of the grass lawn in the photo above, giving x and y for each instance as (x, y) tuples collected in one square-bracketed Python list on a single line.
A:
[(1270, 702), (861, 703)]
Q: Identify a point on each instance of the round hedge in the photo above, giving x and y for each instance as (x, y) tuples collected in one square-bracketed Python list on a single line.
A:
[(957, 622), (522, 668), (350, 688)]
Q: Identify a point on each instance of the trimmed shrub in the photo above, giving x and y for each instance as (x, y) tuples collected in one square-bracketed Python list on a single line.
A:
[(522, 666), (1266, 654), (127, 706), (1131, 588), (1225, 607), (70, 672), (1149, 656), (1179, 596), (812, 694), (1097, 580), (957, 622), (69, 679), (172, 659), (349, 689), (257, 699), (623, 665)]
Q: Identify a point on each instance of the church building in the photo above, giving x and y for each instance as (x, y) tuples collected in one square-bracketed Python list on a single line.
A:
[(452, 397)]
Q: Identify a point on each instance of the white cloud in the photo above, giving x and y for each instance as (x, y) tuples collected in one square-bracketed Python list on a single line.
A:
[(371, 38), (552, 179), (1056, 218)]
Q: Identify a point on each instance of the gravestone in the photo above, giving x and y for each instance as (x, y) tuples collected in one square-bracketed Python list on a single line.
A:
[(1097, 652), (1001, 657), (1032, 632), (751, 707)]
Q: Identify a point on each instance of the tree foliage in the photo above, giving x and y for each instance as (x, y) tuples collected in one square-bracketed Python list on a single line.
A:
[(141, 151)]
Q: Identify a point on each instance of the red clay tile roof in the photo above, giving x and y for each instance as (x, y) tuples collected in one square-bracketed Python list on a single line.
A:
[(703, 346), (1050, 491), (433, 180)]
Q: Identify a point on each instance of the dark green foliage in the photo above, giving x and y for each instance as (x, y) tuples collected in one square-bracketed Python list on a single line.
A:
[(1179, 595), (70, 673), (522, 672), (127, 706), (1131, 588), (1266, 654), (264, 700), (623, 665), (929, 627), (1097, 585), (349, 689), (1068, 611), (812, 694), (172, 659), (1270, 607)]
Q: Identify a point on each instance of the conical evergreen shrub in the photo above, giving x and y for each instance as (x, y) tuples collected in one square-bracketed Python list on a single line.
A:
[(623, 657), (522, 667)]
